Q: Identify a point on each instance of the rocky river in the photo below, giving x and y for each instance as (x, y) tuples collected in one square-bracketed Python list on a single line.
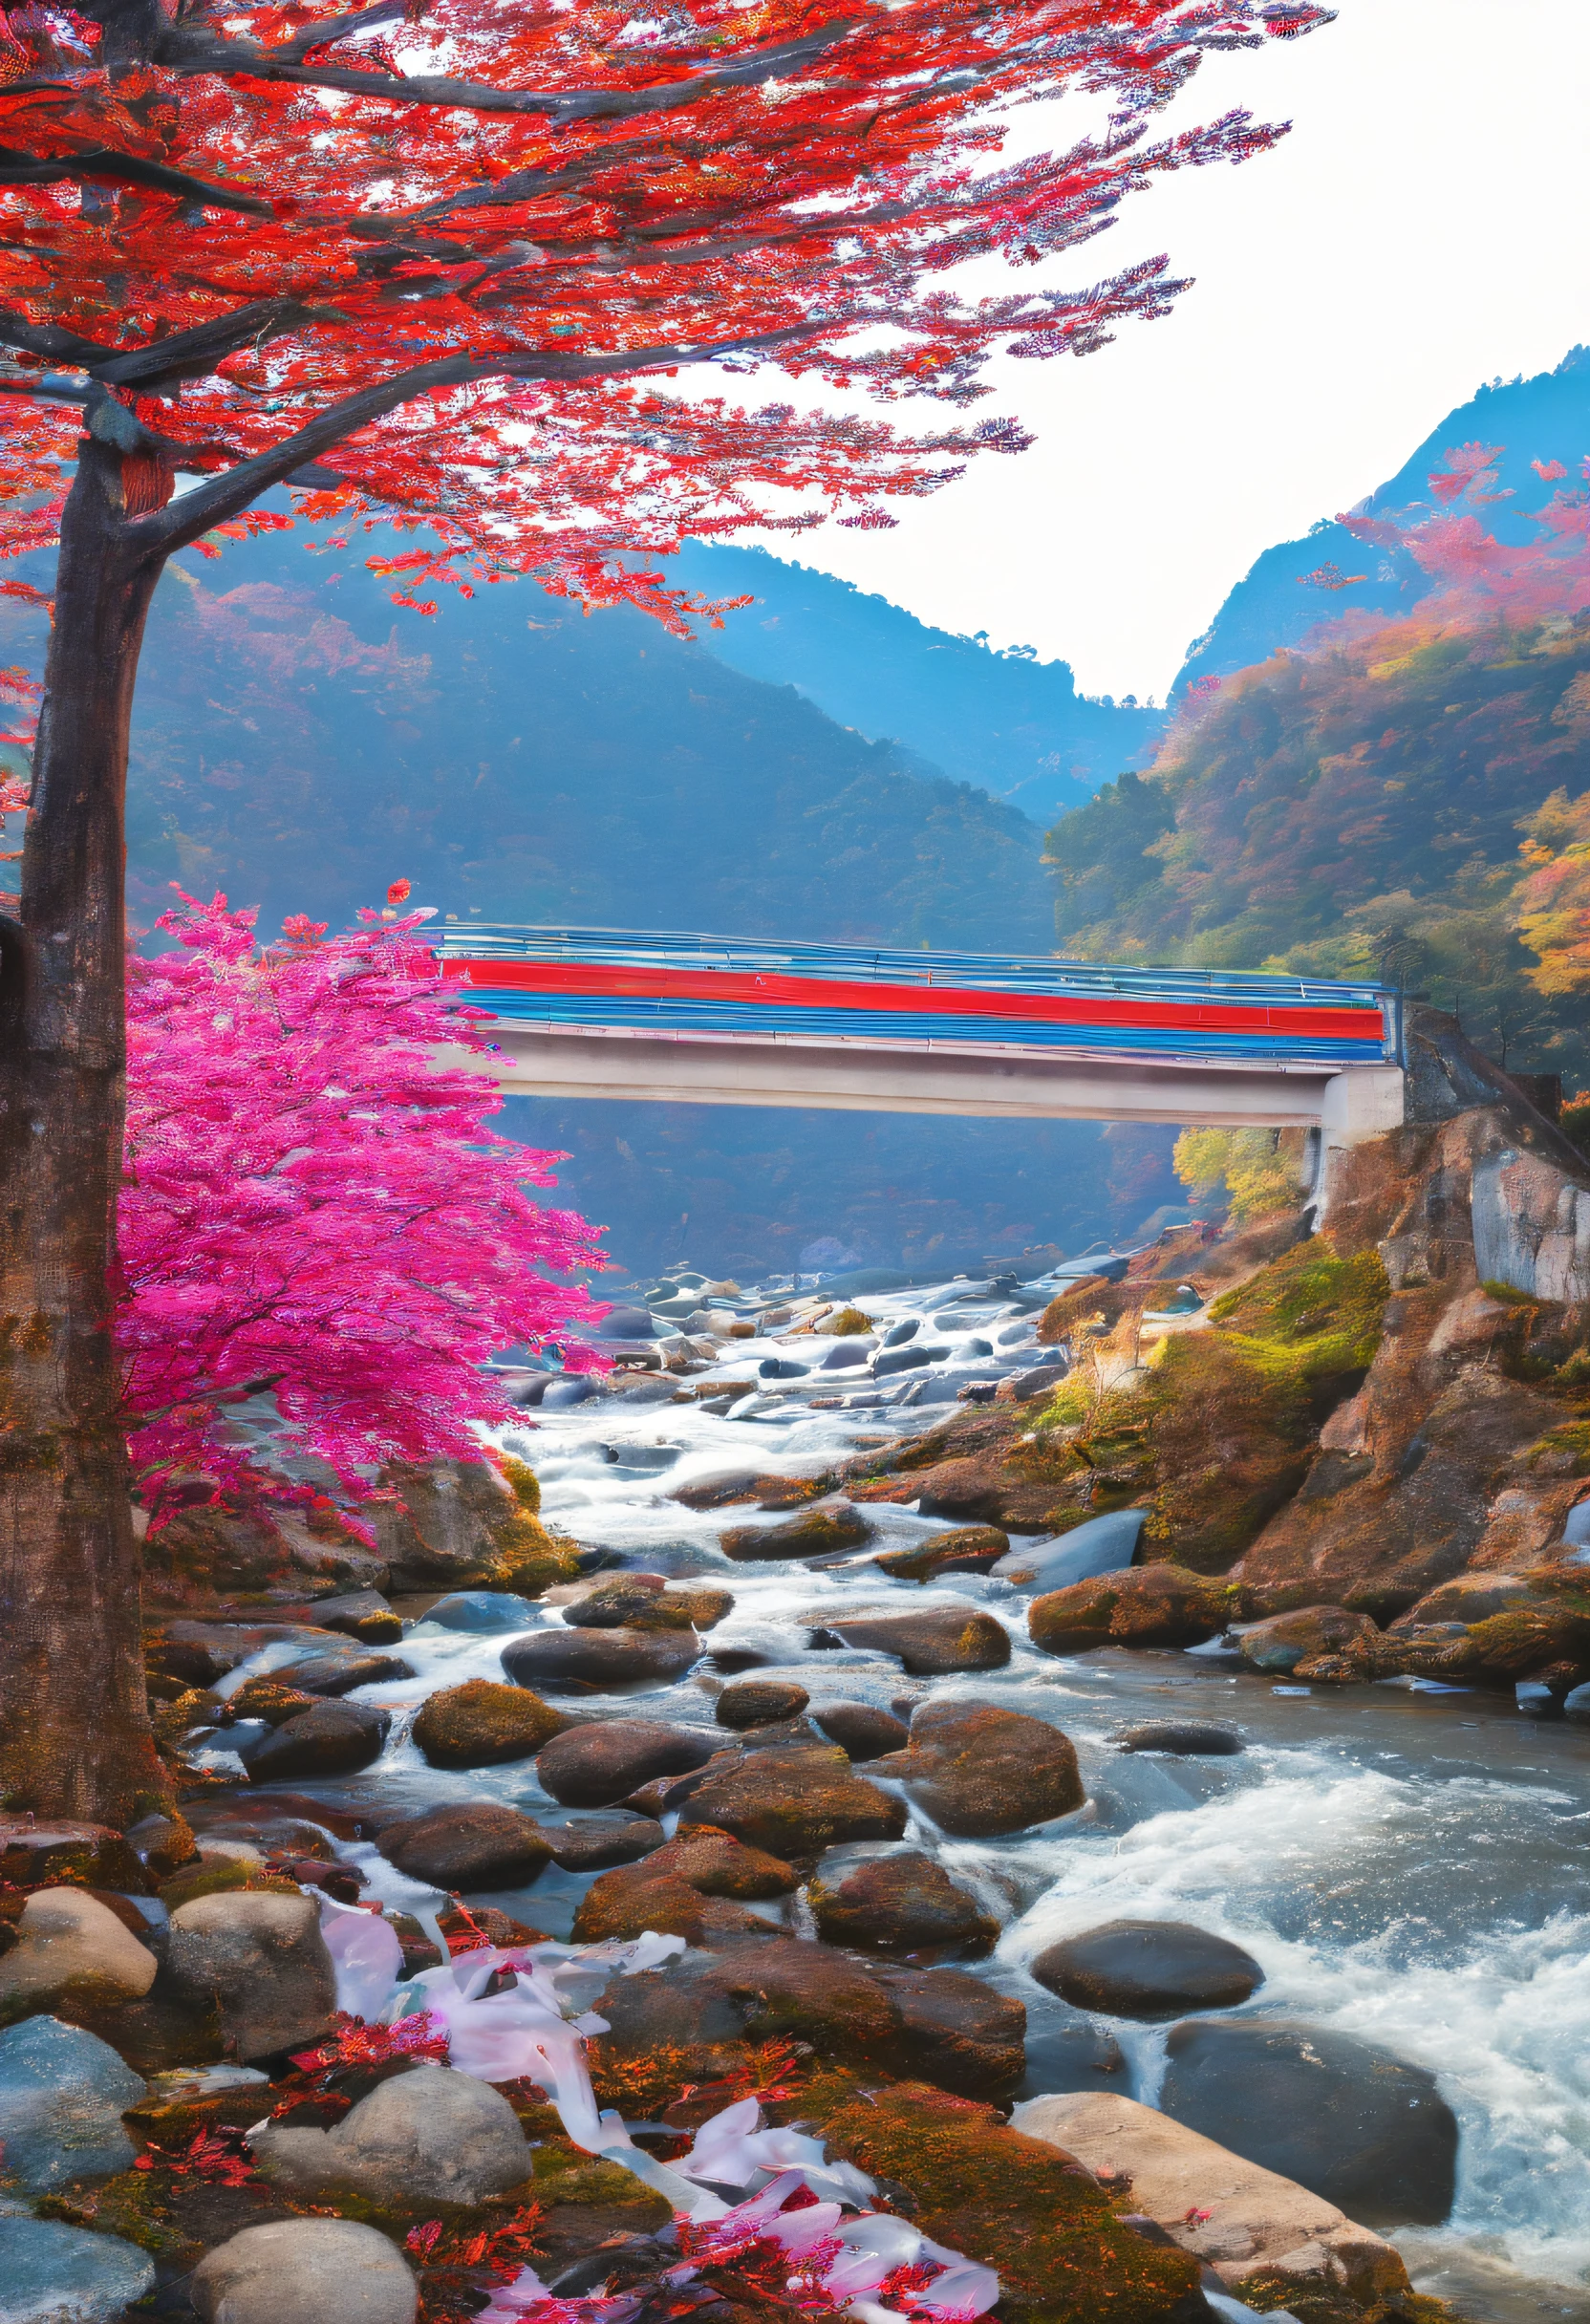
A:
[(1402, 1862)]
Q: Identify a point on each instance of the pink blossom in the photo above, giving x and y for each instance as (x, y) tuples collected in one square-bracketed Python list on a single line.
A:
[(313, 1205)]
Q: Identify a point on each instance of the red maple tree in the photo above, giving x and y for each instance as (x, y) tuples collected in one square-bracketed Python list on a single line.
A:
[(430, 263)]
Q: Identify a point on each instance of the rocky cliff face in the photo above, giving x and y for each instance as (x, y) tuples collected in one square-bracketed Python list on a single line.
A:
[(1369, 1440)]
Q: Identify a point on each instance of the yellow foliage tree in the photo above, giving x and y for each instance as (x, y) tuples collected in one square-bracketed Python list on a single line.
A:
[(1259, 1169), (1552, 901)]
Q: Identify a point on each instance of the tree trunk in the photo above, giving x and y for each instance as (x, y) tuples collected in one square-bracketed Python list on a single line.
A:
[(74, 1736)]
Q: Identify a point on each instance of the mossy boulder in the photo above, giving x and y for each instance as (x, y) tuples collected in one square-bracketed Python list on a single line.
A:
[(902, 1903), (979, 1770), (678, 1888), (481, 1723), (1009, 2202), (644, 1602), (467, 1525), (793, 1802), (816, 1532), (1146, 1605), (966, 1549)]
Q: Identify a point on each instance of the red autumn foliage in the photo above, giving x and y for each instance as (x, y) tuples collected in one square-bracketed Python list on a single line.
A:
[(463, 256)]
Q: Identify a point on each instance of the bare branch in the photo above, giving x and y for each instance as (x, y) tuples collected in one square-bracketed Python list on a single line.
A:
[(192, 354), (41, 385)]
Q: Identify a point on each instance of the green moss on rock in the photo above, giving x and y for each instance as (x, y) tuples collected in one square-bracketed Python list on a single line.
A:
[(484, 1724), (1012, 2203)]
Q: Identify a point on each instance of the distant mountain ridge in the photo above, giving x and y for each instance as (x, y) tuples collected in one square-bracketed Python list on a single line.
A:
[(1011, 725), (1016, 725)]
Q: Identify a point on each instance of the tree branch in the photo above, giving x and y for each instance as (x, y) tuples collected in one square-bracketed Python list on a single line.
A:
[(192, 354), (182, 50), (333, 29), (102, 165), (182, 521), (48, 341)]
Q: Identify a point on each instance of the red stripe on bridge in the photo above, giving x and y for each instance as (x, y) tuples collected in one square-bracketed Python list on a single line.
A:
[(1125, 1011)]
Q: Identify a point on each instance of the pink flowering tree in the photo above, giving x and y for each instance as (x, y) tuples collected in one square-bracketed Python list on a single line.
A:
[(312, 1206)]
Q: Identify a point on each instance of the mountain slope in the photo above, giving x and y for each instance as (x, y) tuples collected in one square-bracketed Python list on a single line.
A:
[(1007, 720), (1546, 417), (299, 744)]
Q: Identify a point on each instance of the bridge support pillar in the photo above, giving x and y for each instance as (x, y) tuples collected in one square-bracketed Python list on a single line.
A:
[(1354, 1107)]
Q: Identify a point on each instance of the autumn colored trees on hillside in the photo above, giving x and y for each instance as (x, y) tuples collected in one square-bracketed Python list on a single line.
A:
[(1402, 799)]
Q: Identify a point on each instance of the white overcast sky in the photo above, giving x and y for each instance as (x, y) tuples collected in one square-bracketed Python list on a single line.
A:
[(1419, 234)]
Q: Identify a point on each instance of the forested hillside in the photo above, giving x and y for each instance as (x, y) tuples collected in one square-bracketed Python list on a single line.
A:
[(1008, 721), (1396, 801)]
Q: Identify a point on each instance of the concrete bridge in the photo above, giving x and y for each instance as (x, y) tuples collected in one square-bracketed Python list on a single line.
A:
[(719, 1021)]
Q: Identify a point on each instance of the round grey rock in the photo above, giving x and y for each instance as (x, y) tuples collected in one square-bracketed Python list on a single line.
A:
[(262, 1960), (1182, 1738), (53, 2274), (475, 1844), (560, 1661), (1103, 1545), (482, 1611), (1148, 1969), (333, 1739), (597, 1766), (1354, 2123), (62, 2096), (427, 2136), (305, 2271), (861, 1729)]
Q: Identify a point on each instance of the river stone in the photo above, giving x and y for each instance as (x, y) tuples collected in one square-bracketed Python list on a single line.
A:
[(482, 1611), (333, 1739), (1102, 1545), (55, 2275), (62, 2096), (966, 1549), (978, 1771), (478, 1844), (335, 1672), (816, 1532), (1066, 2051), (427, 2136), (1184, 1738), (861, 1729), (794, 1802), (597, 1766), (625, 1324), (594, 1843), (258, 1958), (1353, 2122), (1147, 1968), (71, 1948), (1233, 2215), (942, 1639), (1149, 1606), (957, 2031), (1281, 1642), (901, 1903), (759, 1702), (481, 1723), (305, 2271), (695, 1886), (32, 1855), (580, 1660)]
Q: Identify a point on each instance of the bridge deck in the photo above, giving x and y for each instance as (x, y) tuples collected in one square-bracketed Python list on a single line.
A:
[(599, 1012)]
